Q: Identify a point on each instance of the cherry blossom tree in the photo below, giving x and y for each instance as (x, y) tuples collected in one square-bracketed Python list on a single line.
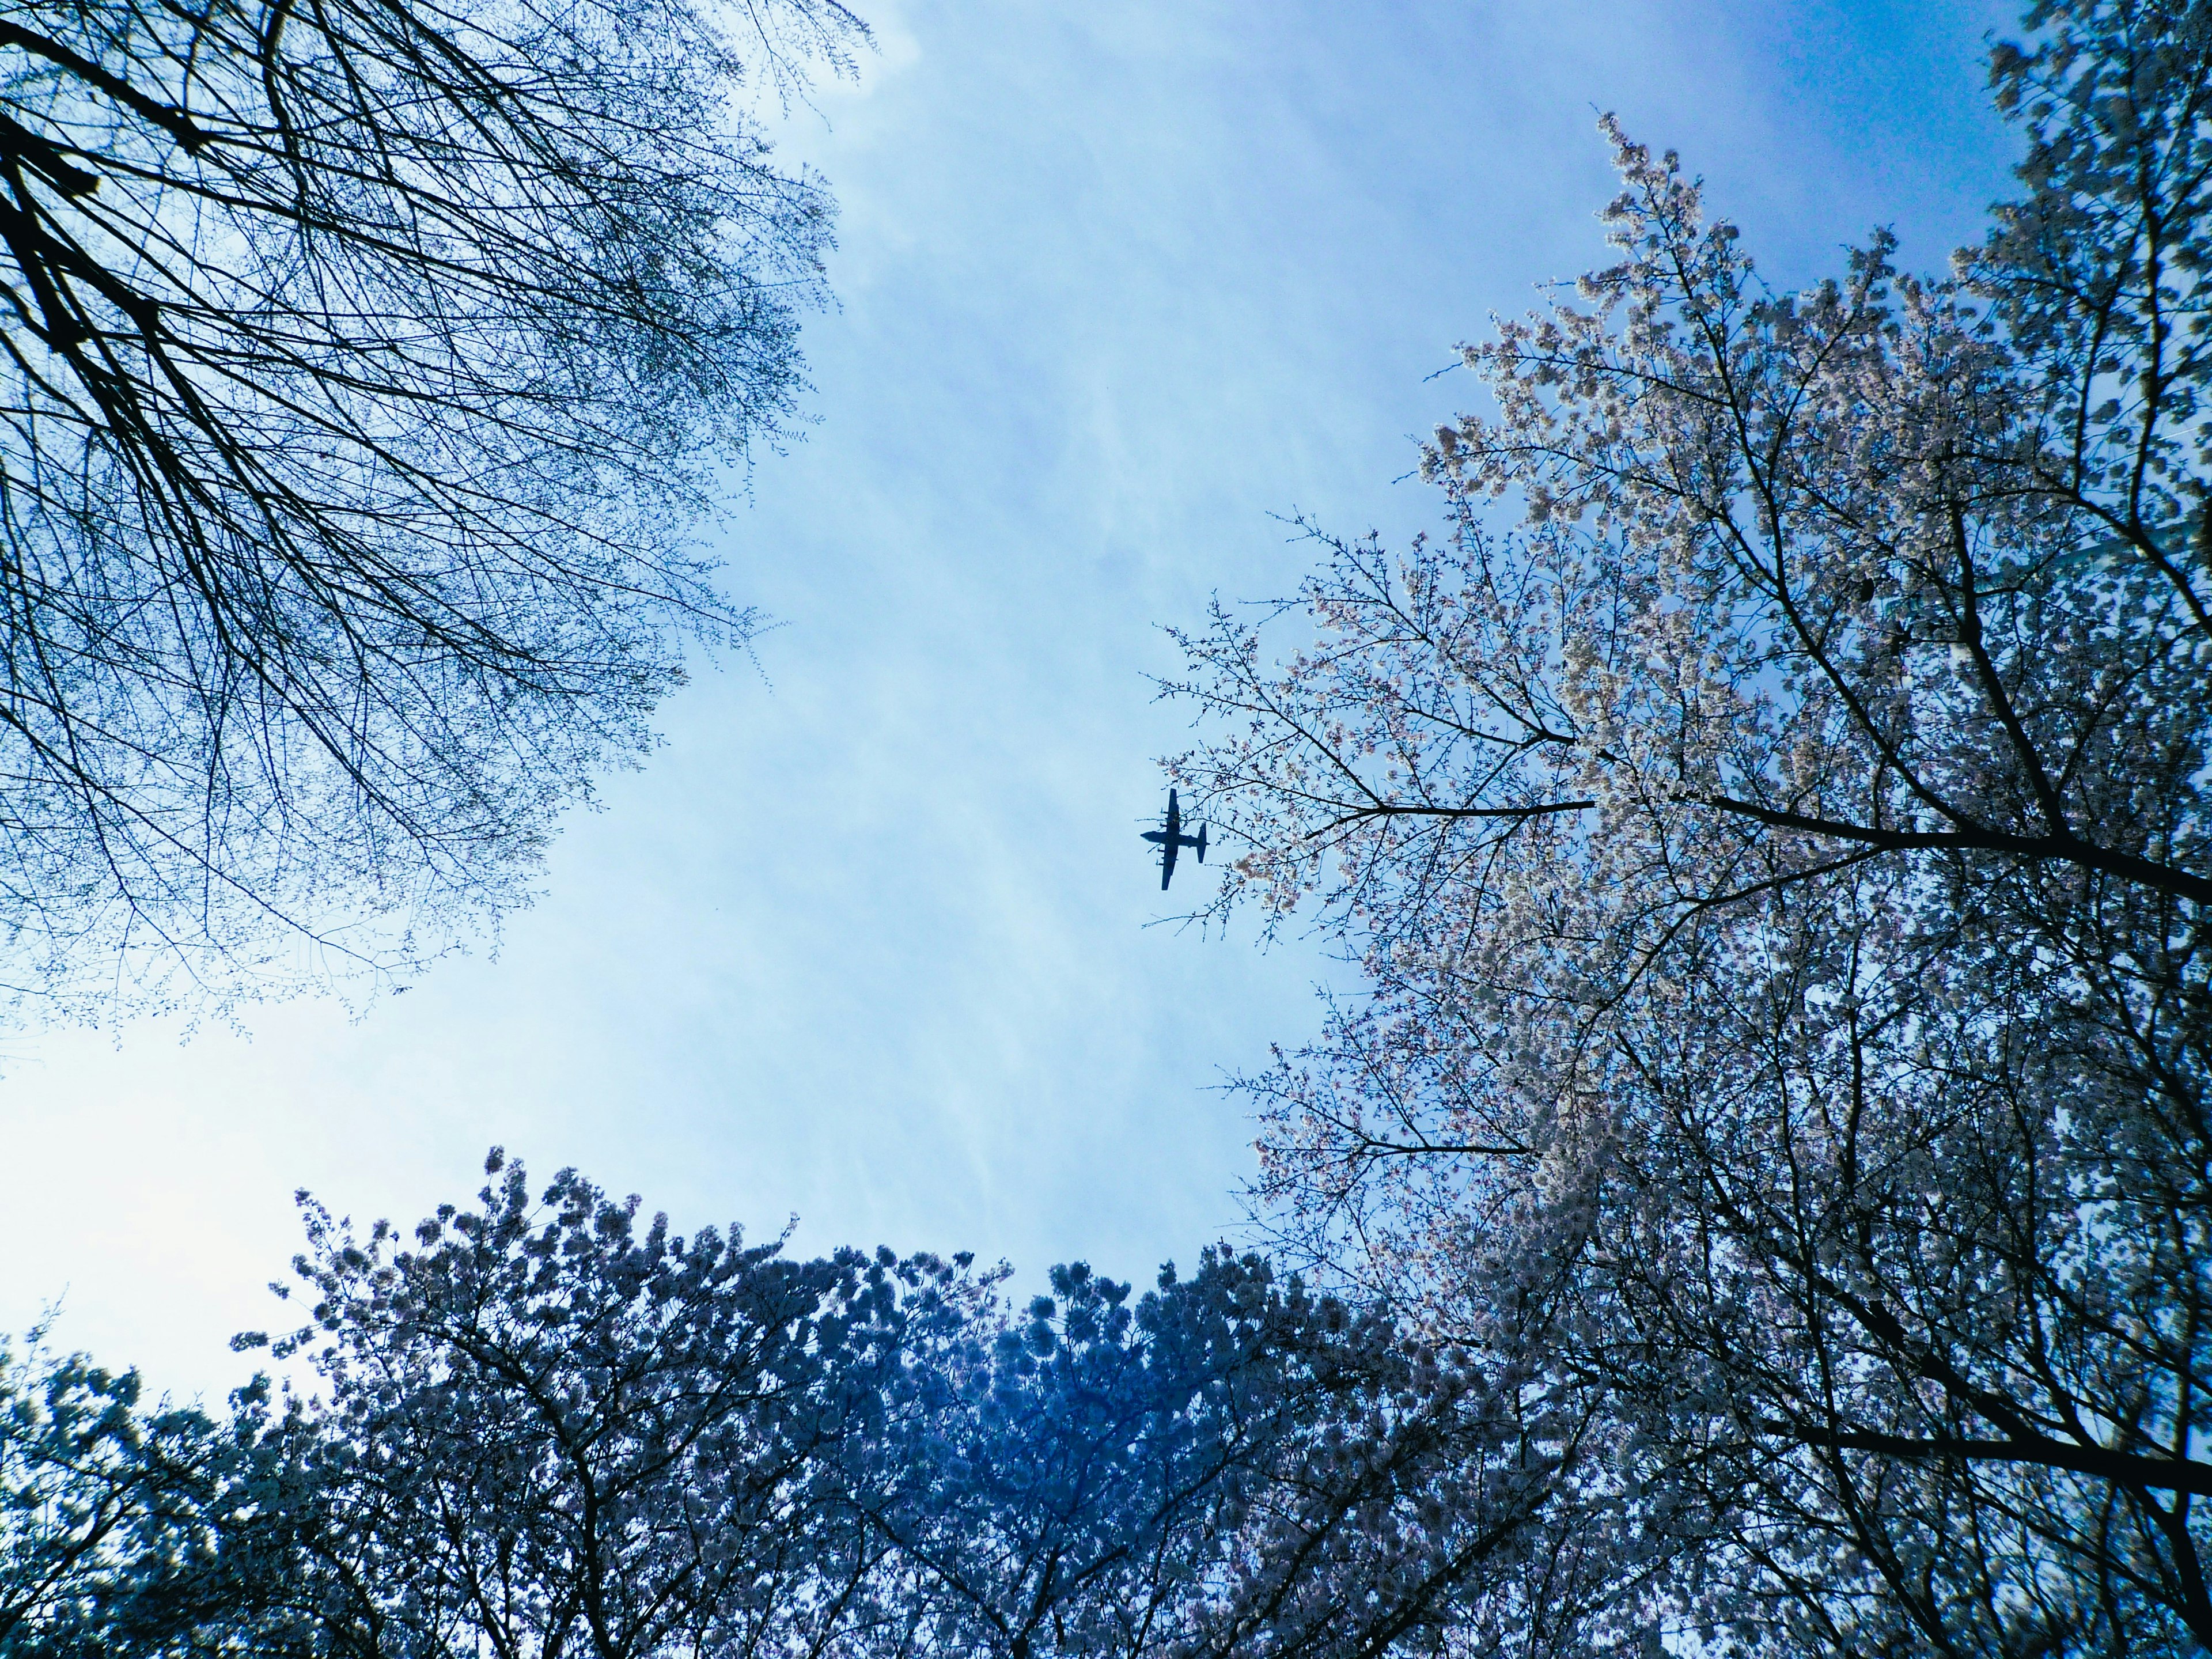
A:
[(1772, 824), (543, 1427), (364, 371), (1230, 1466), (127, 1527)]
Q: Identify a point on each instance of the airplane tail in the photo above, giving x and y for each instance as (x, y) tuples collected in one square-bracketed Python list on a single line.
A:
[(1202, 843)]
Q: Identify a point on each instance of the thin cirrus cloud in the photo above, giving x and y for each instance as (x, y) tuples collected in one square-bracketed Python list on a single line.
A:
[(1122, 288)]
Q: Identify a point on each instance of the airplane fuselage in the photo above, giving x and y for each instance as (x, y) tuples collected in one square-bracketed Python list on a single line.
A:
[(1169, 838)]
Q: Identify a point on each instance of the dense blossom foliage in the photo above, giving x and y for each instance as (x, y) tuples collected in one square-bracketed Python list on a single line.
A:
[(1231, 1466), (125, 1527), (542, 1427), (548, 1428), (363, 370), (1781, 860)]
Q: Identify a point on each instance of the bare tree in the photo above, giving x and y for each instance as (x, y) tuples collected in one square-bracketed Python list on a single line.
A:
[(368, 364), (1781, 860)]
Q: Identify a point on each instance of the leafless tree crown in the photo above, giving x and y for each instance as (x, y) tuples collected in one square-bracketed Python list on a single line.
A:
[(366, 364)]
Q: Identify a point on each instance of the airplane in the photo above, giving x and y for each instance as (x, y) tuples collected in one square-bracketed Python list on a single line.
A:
[(1172, 837)]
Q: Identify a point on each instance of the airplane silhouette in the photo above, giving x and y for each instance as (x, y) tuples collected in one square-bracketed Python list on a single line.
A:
[(1172, 837)]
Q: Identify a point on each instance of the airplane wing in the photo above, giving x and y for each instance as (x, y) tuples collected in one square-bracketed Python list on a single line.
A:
[(1167, 864)]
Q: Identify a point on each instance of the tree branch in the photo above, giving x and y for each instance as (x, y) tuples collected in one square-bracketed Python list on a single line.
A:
[(2070, 849), (2121, 1468)]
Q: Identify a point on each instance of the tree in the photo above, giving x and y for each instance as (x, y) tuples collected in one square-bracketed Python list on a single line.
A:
[(1781, 866), (540, 1428), (546, 1429), (1231, 1466), (125, 1529), (365, 367)]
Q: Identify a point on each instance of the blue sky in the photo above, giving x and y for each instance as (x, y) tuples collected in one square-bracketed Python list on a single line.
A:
[(867, 942)]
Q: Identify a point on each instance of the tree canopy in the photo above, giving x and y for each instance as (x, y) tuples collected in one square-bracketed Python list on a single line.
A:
[(542, 1425), (1773, 822), (364, 371)]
